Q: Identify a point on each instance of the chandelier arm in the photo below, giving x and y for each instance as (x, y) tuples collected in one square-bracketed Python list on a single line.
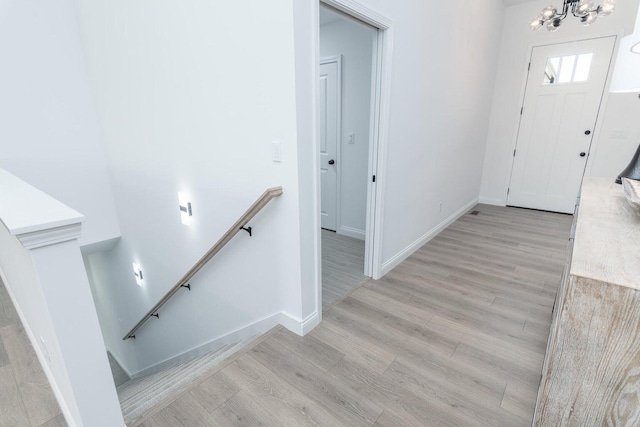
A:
[(565, 9)]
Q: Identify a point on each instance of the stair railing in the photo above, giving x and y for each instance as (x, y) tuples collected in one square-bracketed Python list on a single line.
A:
[(239, 225)]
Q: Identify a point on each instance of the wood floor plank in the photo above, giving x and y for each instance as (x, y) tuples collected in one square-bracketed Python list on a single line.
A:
[(12, 409), (454, 405), (57, 421), (33, 386), (342, 266), (213, 392), (354, 347), (520, 399), (242, 410), (352, 408), (309, 348), (289, 405), (4, 357), (404, 404), (387, 321), (8, 314), (184, 411)]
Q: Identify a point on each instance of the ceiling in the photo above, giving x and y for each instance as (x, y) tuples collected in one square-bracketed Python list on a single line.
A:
[(513, 2)]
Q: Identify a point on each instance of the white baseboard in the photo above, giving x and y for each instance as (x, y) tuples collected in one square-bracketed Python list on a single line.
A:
[(241, 334), (122, 365), (492, 201), (409, 250), (300, 327), (351, 232), (41, 358)]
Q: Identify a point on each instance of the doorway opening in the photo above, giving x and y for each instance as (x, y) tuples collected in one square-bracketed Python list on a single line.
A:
[(349, 116)]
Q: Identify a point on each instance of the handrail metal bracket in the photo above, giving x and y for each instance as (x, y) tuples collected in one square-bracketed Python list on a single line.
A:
[(157, 316), (247, 229), (131, 336), (188, 286)]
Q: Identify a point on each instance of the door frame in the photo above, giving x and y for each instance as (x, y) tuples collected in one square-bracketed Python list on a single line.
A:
[(523, 89), (378, 126), (338, 60)]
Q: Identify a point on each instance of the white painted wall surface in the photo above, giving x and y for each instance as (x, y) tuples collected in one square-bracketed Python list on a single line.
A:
[(608, 155), (354, 41), (49, 134), (41, 266), (190, 96)]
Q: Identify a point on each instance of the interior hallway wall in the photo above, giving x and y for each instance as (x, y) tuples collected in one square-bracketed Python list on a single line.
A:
[(354, 41), (49, 133), (190, 96)]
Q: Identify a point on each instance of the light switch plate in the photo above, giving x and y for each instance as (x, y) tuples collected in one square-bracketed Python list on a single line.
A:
[(276, 151)]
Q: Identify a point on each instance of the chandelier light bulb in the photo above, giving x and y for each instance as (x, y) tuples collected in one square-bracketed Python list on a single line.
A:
[(607, 7), (589, 18), (554, 24), (536, 22), (548, 12), (584, 7)]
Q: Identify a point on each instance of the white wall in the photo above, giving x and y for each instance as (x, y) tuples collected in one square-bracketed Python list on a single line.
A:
[(354, 41), (41, 266), (190, 96), (49, 134), (608, 155)]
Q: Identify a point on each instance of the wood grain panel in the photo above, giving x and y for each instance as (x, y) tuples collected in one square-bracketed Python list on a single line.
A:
[(595, 363)]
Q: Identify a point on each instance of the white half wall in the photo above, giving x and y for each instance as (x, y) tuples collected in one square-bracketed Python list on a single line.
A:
[(41, 266), (49, 134), (355, 42), (190, 96), (616, 133)]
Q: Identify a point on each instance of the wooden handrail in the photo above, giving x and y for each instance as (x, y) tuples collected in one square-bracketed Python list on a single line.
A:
[(266, 197)]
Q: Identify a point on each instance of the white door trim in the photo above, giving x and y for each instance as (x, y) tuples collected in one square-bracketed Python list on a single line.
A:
[(523, 89), (378, 139), (338, 60)]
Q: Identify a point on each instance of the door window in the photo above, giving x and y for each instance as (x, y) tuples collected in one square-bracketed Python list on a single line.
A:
[(568, 69)]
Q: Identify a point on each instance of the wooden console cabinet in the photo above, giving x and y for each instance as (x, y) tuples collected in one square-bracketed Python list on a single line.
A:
[(591, 373)]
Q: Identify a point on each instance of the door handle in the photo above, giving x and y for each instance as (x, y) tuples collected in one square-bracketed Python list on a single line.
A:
[(332, 162), (587, 132), (583, 154)]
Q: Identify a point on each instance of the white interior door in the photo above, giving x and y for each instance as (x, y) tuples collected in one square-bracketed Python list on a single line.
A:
[(329, 100), (563, 94)]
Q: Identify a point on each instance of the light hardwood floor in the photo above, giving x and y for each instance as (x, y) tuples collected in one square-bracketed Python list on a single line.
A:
[(454, 336), (342, 266), (26, 399)]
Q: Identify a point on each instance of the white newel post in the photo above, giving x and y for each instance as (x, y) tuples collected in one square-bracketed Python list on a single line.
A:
[(42, 267)]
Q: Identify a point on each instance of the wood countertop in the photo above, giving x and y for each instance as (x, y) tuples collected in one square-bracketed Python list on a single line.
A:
[(607, 239)]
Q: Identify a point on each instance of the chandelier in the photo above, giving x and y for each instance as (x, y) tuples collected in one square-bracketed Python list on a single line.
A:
[(581, 9)]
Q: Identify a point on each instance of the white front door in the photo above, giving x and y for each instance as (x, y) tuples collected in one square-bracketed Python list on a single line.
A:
[(329, 101), (563, 94)]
